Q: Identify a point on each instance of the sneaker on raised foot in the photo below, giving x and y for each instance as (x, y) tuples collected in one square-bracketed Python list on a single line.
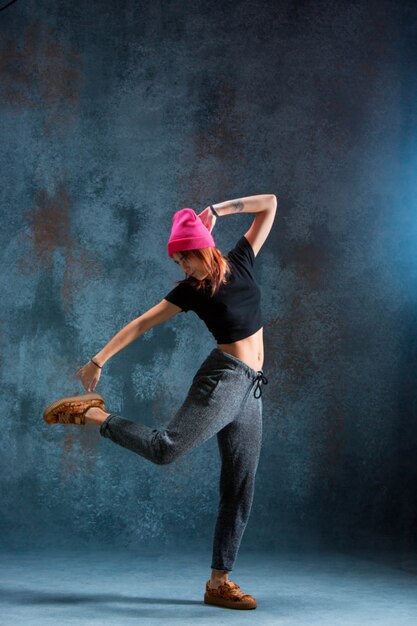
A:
[(72, 410)]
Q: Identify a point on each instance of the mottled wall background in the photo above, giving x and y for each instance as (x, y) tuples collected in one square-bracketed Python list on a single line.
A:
[(115, 115)]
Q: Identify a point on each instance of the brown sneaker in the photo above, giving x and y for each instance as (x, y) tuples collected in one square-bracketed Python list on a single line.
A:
[(228, 595), (72, 410)]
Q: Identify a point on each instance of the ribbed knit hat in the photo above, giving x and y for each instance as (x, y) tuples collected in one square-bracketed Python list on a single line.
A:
[(188, 232)]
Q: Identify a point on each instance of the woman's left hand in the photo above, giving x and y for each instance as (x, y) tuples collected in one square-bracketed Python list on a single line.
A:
[(208, 218), (89, 374)]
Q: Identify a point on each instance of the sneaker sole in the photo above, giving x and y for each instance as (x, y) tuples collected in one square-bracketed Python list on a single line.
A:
[(228, 604), (82, 398)]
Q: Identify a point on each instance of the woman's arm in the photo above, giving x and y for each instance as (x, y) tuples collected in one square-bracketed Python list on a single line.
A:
[(249, 204), (137, 327), (264, 205)]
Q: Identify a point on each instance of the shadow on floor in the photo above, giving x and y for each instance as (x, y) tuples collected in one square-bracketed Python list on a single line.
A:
[(28, 596)]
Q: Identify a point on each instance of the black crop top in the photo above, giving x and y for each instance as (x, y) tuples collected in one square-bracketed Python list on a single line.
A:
[(234, 312)]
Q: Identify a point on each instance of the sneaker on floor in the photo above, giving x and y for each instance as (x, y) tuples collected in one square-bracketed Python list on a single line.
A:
[(72, 410), (228, 595)]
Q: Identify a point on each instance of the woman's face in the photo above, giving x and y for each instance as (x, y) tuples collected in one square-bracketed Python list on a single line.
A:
[(192, 266)]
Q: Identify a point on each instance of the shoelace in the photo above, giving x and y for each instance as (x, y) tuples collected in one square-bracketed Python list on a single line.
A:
[(260, 378), (68, 414), (235, 590), (232, 590)]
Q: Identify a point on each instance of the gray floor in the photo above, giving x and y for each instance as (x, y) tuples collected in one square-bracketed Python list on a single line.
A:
[(100, 587)]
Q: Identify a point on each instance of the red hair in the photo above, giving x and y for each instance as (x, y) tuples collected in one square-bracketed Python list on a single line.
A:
[(215, 265)]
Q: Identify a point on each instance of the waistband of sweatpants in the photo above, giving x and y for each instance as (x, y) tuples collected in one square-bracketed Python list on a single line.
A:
[(222, 356)]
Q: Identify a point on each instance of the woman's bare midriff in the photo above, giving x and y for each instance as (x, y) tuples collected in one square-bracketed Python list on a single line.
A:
[(249, 350)]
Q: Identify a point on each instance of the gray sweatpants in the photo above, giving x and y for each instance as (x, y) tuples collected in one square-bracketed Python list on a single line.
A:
[(224, 399)]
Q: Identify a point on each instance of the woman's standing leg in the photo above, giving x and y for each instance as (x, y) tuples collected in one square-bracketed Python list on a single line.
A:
[(239, 446)]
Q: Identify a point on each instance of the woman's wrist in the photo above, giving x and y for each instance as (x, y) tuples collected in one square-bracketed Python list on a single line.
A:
[(227, 208), (99, 362)]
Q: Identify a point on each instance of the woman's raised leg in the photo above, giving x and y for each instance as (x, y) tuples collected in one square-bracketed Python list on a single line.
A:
[(212, 402)]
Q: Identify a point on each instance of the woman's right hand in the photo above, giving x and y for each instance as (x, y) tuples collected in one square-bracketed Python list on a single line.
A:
[(89, 375), (208, 218)]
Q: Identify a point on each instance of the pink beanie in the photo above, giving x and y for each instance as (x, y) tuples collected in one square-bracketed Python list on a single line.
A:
[(188, 232)]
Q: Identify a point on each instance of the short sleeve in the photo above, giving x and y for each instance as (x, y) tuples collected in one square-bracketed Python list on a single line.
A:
[(180, 296), (243, 252)]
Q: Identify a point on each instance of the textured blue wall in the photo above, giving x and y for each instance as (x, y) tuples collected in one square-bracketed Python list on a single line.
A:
[(115, 115)]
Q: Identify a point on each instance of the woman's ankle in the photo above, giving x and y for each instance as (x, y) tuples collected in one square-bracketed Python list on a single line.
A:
[(218, 577), (95, 415)]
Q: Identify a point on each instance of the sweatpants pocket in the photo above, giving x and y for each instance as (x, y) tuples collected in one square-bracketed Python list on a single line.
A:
[(204, 385)]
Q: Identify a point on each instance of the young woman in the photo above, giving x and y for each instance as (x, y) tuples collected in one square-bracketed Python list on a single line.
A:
[(225, 395)]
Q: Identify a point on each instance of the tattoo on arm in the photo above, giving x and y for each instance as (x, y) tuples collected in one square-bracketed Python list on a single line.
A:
[(238, 206)]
